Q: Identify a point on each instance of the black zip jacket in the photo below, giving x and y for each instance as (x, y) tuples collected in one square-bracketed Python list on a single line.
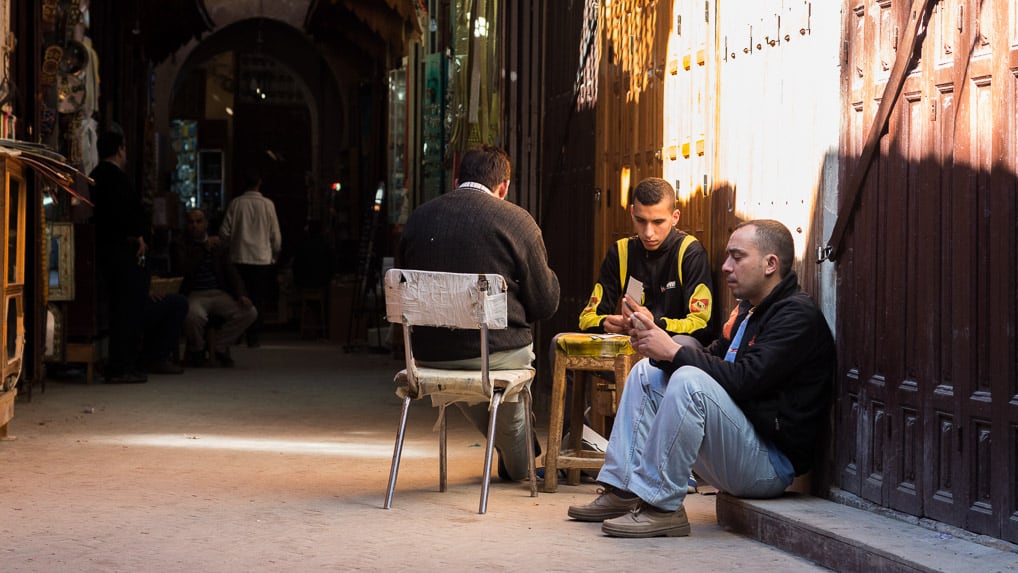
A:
[(676, 280), (783, 371)]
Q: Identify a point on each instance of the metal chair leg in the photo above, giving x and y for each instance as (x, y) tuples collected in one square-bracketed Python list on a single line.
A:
[(496, 400), (443, 450), (531, 455), (397, 452)]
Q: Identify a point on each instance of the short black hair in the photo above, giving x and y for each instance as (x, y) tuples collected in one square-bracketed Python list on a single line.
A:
[(485, 164), (109, 143), (773, 237), (652, 191), (251, 178)]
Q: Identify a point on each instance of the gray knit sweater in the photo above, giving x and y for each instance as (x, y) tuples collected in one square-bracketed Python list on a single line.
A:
[(471, 231)]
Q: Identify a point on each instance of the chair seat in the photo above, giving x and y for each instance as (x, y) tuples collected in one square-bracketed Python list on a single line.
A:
[(447, 386)]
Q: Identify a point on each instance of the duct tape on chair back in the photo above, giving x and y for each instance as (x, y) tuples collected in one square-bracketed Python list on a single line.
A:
[(452, 300)]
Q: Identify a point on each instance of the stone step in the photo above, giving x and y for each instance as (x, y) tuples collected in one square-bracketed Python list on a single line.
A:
[(844, 538)]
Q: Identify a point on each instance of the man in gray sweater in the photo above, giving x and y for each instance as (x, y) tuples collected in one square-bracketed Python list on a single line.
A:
[(473, 230)]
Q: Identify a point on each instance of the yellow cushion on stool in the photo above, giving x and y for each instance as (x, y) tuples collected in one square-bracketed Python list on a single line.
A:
[(605, 345)]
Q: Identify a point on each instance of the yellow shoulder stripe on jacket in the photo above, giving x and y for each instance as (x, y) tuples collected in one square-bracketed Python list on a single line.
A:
[(623, 245), (688, 240)]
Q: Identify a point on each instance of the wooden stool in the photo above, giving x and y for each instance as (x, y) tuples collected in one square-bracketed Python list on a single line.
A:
[(584, 355), (83, 352)]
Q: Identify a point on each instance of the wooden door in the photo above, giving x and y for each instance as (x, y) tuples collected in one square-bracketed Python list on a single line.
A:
[(630, 102), (928, 399), (688, 112), (568, 192)]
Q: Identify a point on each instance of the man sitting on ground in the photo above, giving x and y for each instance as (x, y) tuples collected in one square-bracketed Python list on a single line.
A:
[(214, 288), (746, 413)]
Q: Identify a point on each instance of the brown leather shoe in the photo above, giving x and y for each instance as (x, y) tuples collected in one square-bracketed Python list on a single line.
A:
[(607, 505), (648, 522)]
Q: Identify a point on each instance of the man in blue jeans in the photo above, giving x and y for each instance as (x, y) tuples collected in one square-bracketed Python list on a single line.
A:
[(745, 413)]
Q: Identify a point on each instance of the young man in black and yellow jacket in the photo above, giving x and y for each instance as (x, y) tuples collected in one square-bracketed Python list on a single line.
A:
[(671, 265)]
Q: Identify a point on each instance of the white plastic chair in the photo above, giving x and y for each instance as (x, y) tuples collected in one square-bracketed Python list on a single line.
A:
[(453, 300)]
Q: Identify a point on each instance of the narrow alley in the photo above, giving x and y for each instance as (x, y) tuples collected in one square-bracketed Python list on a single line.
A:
[(280, 464)]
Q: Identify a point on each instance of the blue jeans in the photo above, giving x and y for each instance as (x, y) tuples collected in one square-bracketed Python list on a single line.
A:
[(668, 426)]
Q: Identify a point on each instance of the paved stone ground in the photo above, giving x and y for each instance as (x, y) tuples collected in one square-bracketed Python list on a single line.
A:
[(280, 464)]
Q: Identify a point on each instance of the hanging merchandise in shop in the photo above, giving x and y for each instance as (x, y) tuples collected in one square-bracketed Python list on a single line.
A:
[(49, 164), (69, 83)]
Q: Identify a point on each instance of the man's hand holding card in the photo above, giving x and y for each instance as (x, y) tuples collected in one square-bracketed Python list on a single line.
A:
[(631, 305)]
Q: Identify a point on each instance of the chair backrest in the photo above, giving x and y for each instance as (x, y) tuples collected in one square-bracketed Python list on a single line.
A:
[(451, 300)]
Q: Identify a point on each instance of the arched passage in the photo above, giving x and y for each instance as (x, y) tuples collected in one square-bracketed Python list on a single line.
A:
[(260, 91)]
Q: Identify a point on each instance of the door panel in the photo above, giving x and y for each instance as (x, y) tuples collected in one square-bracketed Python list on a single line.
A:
[(927, 413), (634, 37)]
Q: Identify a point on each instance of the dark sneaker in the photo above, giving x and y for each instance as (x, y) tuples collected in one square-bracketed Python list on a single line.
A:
[(608, 504), (562, 474), (648, 522)]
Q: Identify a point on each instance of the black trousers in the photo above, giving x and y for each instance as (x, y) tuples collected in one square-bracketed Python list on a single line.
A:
[(260, 281), (125, 289)]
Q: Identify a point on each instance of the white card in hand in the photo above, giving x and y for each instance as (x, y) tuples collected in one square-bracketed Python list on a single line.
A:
[(635, 290)]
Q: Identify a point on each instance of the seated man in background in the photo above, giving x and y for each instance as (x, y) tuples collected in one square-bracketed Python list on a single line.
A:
[(213, 287)]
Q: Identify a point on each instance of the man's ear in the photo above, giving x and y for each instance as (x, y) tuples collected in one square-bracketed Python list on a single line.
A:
[(771, 264), (502, 190), (675, 217)]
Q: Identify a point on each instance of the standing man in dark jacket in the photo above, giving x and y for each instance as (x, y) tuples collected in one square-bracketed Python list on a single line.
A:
[(121, 241), (213, 287), (473, 230), (746, 413)]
